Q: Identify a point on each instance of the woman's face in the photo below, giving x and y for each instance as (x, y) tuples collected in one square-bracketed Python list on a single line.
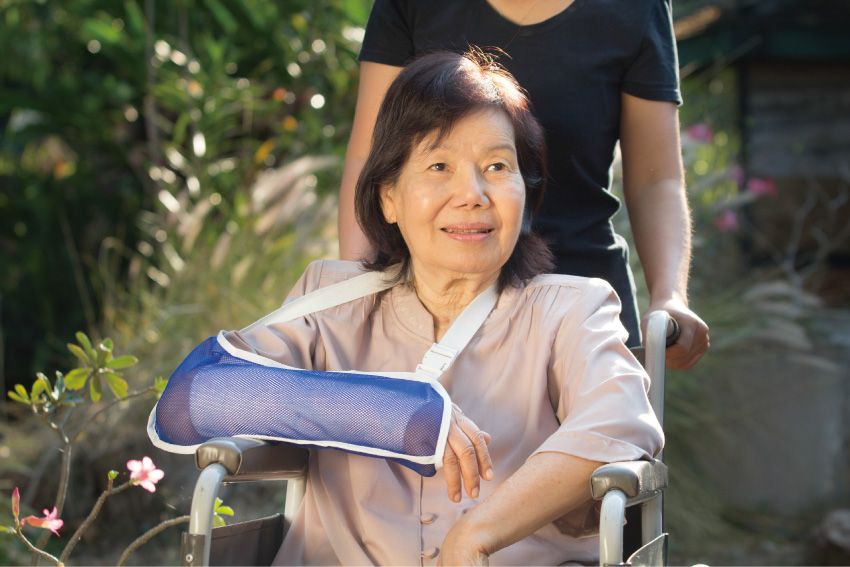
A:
[(459, 202)]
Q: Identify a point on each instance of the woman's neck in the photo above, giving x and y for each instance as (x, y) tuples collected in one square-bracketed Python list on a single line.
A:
[(446, 295)]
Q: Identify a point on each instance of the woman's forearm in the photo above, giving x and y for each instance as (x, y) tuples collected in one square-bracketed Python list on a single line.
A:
[(545, 488)]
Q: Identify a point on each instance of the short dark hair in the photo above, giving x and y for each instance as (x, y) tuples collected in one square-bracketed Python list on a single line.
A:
[(431, 94)]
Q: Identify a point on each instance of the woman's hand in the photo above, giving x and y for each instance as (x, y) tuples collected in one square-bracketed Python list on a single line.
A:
[(693, 340), (466, 459), (464, 545)]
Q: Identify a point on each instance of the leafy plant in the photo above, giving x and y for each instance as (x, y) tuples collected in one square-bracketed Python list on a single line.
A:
[(56, 404)]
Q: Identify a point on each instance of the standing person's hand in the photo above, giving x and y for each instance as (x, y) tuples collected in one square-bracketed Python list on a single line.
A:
[(466, 459), (693, 339)]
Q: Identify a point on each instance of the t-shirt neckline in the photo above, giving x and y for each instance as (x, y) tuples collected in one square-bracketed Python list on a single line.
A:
[(525, 30)]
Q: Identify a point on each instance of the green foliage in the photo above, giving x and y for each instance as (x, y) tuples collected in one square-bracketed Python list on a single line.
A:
[(220, 510), (162, 175), (110, 108), (62, 410), (96, 365)]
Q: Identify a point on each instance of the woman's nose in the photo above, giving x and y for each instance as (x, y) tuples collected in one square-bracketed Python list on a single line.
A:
[(470, 188)]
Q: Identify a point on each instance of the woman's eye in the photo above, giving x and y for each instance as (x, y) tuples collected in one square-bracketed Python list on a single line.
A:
[(438, 167), (498, 166)]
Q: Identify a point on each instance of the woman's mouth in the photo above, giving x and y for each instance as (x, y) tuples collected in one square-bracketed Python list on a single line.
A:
[(473, 232)]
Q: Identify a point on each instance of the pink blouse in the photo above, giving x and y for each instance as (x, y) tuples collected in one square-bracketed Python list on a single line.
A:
[(547, 371)]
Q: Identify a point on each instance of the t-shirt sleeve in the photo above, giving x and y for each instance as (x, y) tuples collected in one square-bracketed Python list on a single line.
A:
[(654, 72), (389, 34), (292, 343), (598, 388)]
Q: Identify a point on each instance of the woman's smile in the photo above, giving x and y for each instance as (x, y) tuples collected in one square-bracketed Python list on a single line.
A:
[(469, 232)]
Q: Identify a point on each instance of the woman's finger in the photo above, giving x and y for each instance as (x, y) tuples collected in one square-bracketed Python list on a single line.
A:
[(479, 441), (451, 472), (464, 449)]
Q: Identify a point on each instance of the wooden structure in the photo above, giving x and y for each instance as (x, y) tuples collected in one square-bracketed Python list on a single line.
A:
[(791, 59)]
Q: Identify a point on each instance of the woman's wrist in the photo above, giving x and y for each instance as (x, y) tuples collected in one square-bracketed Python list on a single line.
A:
[(476, 533)]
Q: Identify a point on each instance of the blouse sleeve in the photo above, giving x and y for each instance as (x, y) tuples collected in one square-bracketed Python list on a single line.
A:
[(598, 387), (389, 34), (292, 343), (654, 72)]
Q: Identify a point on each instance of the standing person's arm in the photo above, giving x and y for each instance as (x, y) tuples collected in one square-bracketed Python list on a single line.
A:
[(653, 184), (375, 79)]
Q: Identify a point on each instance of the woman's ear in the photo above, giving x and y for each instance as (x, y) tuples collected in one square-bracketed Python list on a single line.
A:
[(388, 204)]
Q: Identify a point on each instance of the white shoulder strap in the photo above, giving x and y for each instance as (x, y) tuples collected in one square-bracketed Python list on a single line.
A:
[(327, 297), (437, 359), (440, 356)]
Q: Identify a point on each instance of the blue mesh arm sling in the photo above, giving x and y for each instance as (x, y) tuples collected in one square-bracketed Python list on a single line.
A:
[(220, 390)]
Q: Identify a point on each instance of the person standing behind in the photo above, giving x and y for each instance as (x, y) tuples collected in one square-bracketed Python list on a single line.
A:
[(596, 71)]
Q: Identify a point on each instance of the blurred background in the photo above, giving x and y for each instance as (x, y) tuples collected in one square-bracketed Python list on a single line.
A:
[(167, 169)]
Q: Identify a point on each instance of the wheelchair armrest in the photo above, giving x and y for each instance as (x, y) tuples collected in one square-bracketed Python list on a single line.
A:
[(638, 480), (252, 459)]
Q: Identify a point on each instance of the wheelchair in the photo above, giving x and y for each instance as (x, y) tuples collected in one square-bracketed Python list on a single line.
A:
[(231, 460)]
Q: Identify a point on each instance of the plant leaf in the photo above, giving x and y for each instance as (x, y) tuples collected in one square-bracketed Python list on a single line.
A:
[(224, 510), (95, 388), (6, 530), (76, 378), (159, 385), (79, 353), (59, 385), (218, 522), (104, 352), (22, 392), (117, 384), (222, 16), (18, 398), (120, 362), (39, 387), (86, 344)]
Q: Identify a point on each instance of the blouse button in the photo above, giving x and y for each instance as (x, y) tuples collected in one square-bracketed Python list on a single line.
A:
[(431, 553), (427, 518)]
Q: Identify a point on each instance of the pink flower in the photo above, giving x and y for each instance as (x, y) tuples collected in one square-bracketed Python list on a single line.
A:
[(736, 173), (727, 221), (701, 132), (48, 522), (16, 505), (761, 187), (145, 473)]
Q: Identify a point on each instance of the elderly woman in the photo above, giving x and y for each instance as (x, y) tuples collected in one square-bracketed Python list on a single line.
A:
[(544, 393)]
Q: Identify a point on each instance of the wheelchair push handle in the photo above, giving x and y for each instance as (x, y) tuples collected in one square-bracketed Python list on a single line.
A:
[(673, 331)]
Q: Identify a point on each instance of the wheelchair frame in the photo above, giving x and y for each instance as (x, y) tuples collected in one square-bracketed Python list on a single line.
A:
[(617, 485)]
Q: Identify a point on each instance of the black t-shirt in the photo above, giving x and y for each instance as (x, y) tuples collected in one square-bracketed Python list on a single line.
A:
[(574, 67)]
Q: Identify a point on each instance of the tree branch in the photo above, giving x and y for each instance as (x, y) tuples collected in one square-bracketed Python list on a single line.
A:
[(36, 551), (64, 475), (75, 539), (149, 535)]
